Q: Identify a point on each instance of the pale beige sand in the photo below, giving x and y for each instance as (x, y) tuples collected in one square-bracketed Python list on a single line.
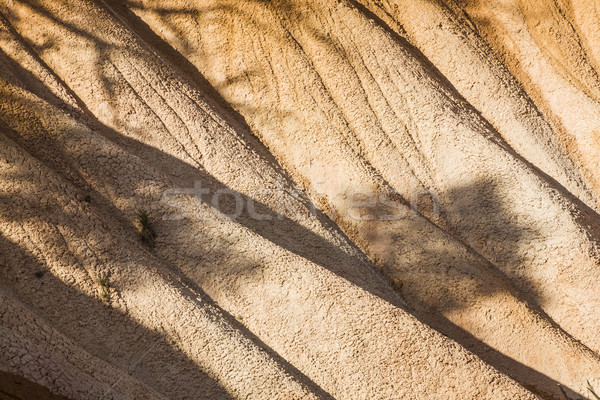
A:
[(494, 296)]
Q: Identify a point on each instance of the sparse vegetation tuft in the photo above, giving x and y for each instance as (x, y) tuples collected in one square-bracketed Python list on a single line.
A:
[(397, 283), (104, 288), (145, 230)]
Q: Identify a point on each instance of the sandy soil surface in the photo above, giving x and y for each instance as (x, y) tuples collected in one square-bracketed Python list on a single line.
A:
[(346, 199)]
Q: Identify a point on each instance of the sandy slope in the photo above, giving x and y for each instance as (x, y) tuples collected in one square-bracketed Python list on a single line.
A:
[(32, 349), (552, 49), (314, 286), (359, 134), (369, 330), (343, 100)]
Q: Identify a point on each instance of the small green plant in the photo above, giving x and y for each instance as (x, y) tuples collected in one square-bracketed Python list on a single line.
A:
[(104, 288), (87, 198), (145, 230)]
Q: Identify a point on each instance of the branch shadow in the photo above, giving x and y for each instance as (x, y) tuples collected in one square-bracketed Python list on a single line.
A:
[(129, 332), (103, 331), (286, 232), (16, 387), (435, 281)]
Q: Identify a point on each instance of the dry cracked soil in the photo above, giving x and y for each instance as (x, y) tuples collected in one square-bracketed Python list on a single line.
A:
[(327, 199)]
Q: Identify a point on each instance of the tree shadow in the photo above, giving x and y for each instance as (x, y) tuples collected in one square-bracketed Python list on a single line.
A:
[(438, 281), (297, 239), (482, 203), (102, 331), (16, 387), (129, 333), (288, 234)]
